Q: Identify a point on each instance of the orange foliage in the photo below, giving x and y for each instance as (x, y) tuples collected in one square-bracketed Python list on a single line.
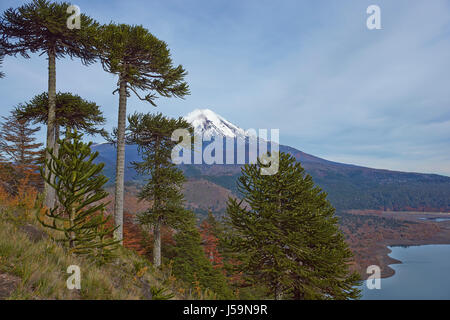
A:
[(210, 245), (132, 235), (25, 197), (3, 195), (26, 194)]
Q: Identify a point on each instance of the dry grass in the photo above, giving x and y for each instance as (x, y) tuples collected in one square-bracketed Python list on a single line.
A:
[(42, 267), (28, 252)]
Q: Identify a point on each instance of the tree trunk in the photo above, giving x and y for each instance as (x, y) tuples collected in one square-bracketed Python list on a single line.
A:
[(57, 133), (71, 224), (50, 194), (278, 292), (56, 152), (157, 244), (298, 294), (120, 163), (156, 208)]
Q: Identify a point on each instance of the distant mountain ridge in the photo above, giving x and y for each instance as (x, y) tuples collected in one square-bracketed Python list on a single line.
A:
[(348, 186)]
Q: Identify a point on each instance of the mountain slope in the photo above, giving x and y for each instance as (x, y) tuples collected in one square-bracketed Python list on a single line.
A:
[(348, 186), (34, 267), (210, 124)]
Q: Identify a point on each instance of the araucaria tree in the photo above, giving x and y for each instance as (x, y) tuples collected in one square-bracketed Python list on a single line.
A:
[(152, 134), (18, 148), (71, 111), (287, 236), (79, 214), (142, 63), (41, 27)]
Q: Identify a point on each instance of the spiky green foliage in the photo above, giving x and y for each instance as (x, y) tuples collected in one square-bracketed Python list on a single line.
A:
[(287, 236), (160, 293), (41, 26), (152, 134), (71, 111), (80, 212), (142, 61), (191, 265)]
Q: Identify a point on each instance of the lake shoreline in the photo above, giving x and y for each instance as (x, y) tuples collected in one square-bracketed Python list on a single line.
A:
[(371, 246), (419, 277), (388, 260)]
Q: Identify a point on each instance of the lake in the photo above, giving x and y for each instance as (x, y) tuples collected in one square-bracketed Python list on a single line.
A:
[(435, 219), (423, 274)]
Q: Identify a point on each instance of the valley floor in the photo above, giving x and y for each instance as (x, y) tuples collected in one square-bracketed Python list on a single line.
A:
[(369, 233)]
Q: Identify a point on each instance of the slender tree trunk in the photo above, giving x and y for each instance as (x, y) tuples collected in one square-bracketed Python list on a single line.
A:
[(278, 292), (298, 295), (157, 244), (120, 163), (56, 152), (57, 133), (71, 224), (51, 127), (156, 207)]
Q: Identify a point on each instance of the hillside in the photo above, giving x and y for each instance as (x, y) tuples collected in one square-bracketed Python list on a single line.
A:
[(33, 266), (348, 186), (203, 195)]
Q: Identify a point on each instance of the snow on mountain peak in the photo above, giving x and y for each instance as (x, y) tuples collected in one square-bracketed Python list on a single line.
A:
[(211, 124)]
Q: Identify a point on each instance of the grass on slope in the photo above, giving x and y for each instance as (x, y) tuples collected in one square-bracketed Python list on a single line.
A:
[(42, 267), (35, 266)]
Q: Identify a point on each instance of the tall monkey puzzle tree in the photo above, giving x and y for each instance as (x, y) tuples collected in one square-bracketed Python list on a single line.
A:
[(41, 27), (71, 111), (143, 63), (152, 134)]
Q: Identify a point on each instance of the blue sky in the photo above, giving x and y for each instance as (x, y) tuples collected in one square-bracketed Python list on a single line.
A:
[(378, 98)]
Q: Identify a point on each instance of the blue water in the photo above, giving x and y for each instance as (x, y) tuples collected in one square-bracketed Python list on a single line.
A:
[(435, 219), (423, 274)]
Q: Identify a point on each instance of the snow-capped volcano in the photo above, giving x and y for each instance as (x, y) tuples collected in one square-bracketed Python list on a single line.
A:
[(211, 124)]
